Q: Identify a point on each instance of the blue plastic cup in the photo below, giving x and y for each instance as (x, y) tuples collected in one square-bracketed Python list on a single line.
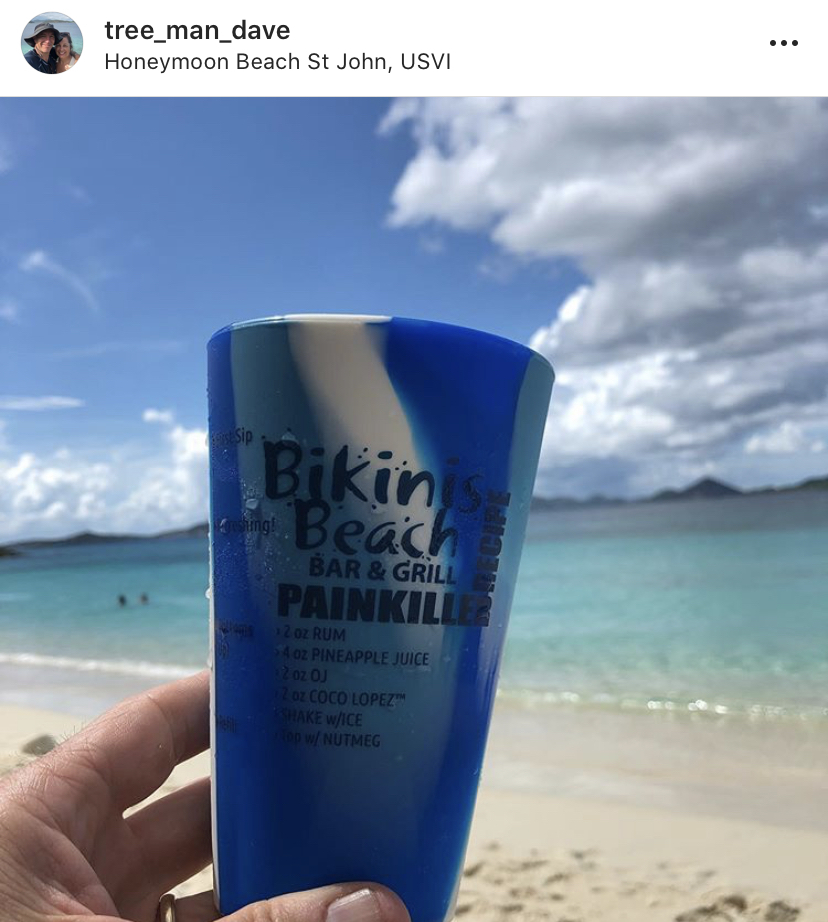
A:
[(370, 485)]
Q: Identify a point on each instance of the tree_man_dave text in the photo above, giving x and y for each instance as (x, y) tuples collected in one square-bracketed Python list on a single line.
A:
[(241, 31)]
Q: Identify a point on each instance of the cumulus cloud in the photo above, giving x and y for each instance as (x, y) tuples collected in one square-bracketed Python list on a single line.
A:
[(701, 226), (52, 492), (39, 403), (40, 261), (57, 493), (172, 492), (158, 416), (783, 440)]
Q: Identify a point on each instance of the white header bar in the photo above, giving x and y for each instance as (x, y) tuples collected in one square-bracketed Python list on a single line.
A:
[(433, 47)]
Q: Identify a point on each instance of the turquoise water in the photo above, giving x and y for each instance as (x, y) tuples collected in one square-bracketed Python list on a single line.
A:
[(62, 602), (713, 607), (62, 26)]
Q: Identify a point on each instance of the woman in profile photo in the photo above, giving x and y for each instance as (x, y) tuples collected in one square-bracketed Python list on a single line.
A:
[(66, 54)]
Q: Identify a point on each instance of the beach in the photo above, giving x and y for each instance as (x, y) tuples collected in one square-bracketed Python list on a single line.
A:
[(660, 738), (354, 500), (609, 816)]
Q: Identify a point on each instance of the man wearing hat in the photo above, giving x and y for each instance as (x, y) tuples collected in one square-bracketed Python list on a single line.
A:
[(42, 57)]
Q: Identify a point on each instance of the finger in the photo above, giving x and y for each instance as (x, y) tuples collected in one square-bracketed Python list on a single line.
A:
[(134, 746), (338, 903), (175, 834), (198, 908)]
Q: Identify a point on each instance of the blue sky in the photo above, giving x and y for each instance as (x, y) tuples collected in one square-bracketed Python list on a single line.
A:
[(133, 229), (181, 216)]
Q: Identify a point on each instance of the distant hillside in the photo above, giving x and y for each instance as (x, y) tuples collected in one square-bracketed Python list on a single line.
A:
[(706, 488), (564, 502), (814, 483), (92, 537)]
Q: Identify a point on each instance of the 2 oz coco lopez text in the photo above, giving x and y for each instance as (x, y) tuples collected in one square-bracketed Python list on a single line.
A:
[(242, 61)]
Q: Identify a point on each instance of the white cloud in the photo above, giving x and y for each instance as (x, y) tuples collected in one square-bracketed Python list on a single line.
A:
[(498, 267), (785, 439), (158, 416), (172, 492), (94, 350), (120, 488), (700, 224), (781, 269), (39, 403), (57, 493), (9, 310), (44, 493), (40, 261)]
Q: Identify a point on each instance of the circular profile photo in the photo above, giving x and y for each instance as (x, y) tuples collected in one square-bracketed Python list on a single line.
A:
[(52, 43)]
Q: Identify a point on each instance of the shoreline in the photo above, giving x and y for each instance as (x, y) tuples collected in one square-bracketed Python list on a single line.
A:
[(770, 770), (585, 852)]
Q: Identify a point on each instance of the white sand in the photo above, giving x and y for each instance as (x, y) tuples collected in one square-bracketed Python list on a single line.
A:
[(536, 856)]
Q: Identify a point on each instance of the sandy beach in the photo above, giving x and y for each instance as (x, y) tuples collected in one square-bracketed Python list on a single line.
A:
[(587, 816)]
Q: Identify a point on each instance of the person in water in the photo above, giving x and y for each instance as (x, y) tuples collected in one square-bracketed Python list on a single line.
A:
[(66, 54), (69, 850), (43, 39)]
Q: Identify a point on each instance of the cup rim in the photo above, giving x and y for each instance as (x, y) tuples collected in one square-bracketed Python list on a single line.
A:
[(363, 319)]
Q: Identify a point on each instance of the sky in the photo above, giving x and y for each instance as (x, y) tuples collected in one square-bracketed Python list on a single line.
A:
[(670, 258)]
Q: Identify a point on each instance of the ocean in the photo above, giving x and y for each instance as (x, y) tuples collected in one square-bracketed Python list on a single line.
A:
[(714, 608)]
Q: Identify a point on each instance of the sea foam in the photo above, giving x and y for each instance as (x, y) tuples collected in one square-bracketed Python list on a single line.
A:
[(117, 667)]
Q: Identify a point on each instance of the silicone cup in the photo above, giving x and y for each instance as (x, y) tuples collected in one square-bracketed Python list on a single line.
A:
[(370, 484)]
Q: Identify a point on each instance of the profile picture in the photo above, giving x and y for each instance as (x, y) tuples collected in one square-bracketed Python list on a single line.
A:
[(52, 43)]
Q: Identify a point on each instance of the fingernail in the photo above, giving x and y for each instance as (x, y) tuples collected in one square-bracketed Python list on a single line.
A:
[(362, 906)]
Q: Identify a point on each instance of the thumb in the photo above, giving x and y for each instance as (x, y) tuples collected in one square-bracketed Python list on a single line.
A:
[(355, 902)]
